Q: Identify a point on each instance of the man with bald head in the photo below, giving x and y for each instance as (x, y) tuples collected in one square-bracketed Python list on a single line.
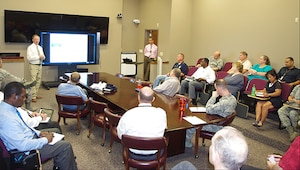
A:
[(143, 121), (72, 89), (216, 62)]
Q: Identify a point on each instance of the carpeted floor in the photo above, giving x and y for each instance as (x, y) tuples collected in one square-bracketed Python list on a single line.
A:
[(91, 155)]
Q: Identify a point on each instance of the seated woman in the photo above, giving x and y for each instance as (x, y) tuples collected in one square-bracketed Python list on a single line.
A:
[(273, 91), (235, 80), (259, 70)]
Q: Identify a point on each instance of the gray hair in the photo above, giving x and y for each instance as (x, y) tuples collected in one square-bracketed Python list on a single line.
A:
[(231, 146)]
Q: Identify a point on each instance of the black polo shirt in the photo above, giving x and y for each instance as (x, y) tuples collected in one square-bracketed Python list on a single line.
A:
[(289, 75)]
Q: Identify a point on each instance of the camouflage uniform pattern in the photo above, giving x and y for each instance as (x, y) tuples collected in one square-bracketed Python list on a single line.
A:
[(226, 106), (6, 77), (289, 116)]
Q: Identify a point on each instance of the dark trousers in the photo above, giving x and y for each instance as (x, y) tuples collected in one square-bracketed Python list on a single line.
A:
[(62, 153), (147, 62)]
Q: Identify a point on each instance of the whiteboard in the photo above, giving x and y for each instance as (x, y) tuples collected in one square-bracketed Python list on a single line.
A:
[(128, 69)]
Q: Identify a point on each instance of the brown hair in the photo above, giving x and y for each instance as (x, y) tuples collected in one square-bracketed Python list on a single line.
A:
[(239, 66)]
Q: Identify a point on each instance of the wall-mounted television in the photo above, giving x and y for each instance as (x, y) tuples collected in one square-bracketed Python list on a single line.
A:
[(70, 48), (19, 26)]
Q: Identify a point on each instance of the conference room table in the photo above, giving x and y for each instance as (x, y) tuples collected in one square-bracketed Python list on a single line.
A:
[(125, 98)]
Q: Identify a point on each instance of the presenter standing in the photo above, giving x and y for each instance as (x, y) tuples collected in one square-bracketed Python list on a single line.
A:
[(35, 57), (150, 53)]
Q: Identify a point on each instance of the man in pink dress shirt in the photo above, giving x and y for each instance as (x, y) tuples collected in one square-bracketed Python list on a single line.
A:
[(150, 53)]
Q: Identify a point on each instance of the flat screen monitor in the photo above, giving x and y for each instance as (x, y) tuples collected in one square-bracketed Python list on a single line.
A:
[(70, 48), (19, 26)]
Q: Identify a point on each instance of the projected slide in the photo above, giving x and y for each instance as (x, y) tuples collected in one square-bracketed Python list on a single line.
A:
[(68, 47)]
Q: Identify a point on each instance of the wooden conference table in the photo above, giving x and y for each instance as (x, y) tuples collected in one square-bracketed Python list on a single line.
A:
[(125, 98)]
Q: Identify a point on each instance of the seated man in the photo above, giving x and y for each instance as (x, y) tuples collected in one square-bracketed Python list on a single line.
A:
[(143, 121), (16, 134), (228, 150), (204, 74), (171, 85), (246, 63), (215, 61), (33, 119), (6, 77), (72, 89), (179, 64), (289, 74), (289, 116), (224, 107)]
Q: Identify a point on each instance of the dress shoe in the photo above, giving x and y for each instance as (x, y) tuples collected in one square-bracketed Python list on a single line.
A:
[(34, 100), (29, 84), (38, 97), (260, 124), (255, 123)]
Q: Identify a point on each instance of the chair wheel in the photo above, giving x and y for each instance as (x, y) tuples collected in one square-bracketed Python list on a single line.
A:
[(197, 156), (88, 136), (102, 144), (109, 151), (203, 144), (77, 133)]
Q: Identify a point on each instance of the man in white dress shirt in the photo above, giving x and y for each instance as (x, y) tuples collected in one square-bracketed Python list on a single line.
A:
[(35, 57), (143, 121), (204, 74)]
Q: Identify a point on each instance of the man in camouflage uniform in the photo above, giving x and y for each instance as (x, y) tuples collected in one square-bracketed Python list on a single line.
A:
[(6, 77), (289, 116), (224, 107)]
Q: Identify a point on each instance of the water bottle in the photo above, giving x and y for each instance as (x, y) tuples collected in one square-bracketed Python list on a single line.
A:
[(182, 107), (253, 90)]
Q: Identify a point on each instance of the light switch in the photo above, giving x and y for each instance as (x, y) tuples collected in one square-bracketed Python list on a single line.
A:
[(161, 54), (140, 50)]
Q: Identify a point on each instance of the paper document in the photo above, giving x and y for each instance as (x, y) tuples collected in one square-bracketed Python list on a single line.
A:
[(194, 120), (45, 121), (57, 137), (197, 109), (189, 78), (259, 94)]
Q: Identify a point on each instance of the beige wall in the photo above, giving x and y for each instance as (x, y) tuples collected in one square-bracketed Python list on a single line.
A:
[(256, 26), (109, 53), (195, 27)]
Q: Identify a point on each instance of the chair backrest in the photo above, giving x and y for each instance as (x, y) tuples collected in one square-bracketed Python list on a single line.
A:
[(192, 70), (5, 157), (69, 100), (260, 84), (245, 83), (199, 61), (243, 88), (285, 92), (98, 107), (113, 119), (228, 119), (144, 143), (227, 66), (221, 74)]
